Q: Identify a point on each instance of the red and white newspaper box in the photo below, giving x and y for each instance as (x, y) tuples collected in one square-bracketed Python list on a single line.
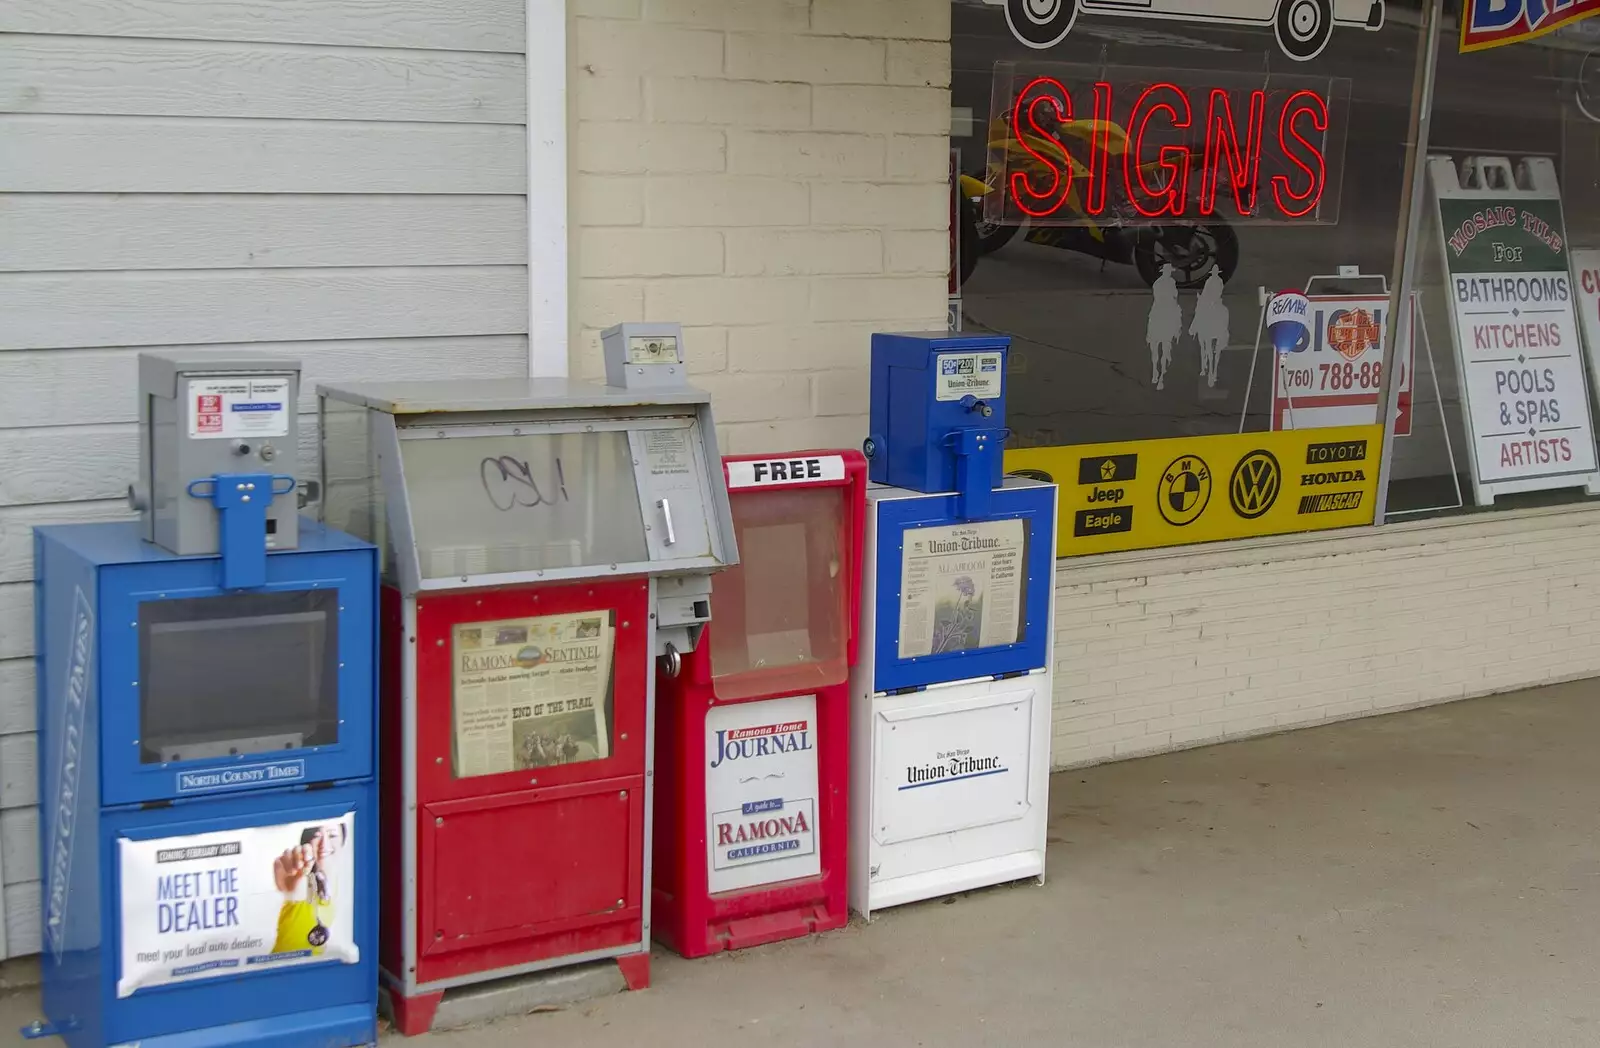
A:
[(546, 542), (753, 737)]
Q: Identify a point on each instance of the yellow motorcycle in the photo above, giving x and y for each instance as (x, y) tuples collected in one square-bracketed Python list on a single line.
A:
[(1123, 236)]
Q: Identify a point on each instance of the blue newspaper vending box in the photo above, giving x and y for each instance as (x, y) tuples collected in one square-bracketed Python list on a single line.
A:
[(206, 743), (951, 696)]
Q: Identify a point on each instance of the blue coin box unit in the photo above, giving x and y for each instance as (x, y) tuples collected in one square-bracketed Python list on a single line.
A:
[(938, 411), (207, 789)]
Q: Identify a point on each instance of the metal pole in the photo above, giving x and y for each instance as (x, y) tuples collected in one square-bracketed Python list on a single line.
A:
[(1250, 378), (1390, 394)]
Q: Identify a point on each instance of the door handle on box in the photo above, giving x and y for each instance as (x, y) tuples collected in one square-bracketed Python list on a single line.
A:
[(665, 505)]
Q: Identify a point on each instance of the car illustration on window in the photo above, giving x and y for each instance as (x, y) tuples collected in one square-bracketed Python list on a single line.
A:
[(1302, 26)]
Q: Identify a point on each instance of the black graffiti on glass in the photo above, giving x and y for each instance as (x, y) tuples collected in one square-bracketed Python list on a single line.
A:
[(509, 483)]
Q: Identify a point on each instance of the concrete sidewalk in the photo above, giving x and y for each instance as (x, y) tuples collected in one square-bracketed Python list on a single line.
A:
[(1428, 878)]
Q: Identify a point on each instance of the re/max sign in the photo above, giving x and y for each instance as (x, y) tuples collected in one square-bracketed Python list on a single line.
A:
[(1139, 150)]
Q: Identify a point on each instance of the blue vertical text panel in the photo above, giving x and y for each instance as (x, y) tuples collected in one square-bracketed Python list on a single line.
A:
[(67, 674)]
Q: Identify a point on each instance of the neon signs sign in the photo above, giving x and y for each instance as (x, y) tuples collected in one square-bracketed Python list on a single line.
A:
[(1108, 145)]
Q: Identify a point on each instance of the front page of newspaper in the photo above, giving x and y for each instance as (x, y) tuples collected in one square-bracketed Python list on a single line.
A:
[(530, 693), (961, 587)]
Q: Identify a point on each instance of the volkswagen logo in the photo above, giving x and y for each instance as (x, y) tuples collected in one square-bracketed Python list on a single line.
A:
[(1254, 486)]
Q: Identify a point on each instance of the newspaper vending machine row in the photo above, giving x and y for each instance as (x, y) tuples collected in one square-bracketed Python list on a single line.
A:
[(855, 715)]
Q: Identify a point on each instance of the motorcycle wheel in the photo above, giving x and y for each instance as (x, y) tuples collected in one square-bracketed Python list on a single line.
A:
[(969, 243), (1190, 250), (992, 236), (1587, 92)]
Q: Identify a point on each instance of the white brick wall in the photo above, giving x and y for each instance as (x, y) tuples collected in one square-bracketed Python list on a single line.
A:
[(1160, 651), (771, 173)]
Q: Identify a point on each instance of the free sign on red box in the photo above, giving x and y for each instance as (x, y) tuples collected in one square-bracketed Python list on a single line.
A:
[(806, 469)]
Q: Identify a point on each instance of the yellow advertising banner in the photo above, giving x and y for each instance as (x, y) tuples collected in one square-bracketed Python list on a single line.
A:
[(1142, 494)]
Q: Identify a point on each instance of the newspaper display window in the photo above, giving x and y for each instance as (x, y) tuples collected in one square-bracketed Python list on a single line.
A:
[(782, 616), (963, 587), (531, 692)]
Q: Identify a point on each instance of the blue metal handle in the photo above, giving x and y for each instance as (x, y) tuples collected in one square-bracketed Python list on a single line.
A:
[(975, 451), (242, 500)]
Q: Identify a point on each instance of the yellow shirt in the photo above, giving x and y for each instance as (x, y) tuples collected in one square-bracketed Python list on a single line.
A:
[(295, 921)]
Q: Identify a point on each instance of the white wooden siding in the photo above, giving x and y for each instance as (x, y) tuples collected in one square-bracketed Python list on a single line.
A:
[(19, 840), (123, 154), (90, 385), (16, 695), (16, 565), (189, 307), (63, 74), (21, 904), (342, 181), (79, 231), (457, 25)]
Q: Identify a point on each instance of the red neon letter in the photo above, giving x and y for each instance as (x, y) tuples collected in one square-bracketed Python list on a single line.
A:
[(1172, 193), (1024, 127), (1292, 204), (1099, 149), (1222, 144)]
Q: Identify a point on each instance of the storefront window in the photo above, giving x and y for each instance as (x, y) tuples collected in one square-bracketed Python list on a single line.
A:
[(1283, 265), (1143, 191), (1507, 284)]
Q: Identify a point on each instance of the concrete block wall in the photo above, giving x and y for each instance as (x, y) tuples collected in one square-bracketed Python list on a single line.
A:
[(772, 174), (1164, 651)]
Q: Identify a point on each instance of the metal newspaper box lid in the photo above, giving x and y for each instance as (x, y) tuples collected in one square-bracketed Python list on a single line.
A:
[(504, 481)]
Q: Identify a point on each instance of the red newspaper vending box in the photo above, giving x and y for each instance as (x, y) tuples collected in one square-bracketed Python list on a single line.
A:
[(753, 737), (546, 543)]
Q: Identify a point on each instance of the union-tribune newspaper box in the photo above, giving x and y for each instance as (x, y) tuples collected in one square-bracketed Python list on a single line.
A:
[(545, 541), (753, 743), (207, 694), (950, 718)]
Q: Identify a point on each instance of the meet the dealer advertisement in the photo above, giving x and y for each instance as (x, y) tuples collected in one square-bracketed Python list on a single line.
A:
[(259, 898)]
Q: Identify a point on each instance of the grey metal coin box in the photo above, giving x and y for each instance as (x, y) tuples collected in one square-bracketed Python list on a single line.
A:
[(204, 414)]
